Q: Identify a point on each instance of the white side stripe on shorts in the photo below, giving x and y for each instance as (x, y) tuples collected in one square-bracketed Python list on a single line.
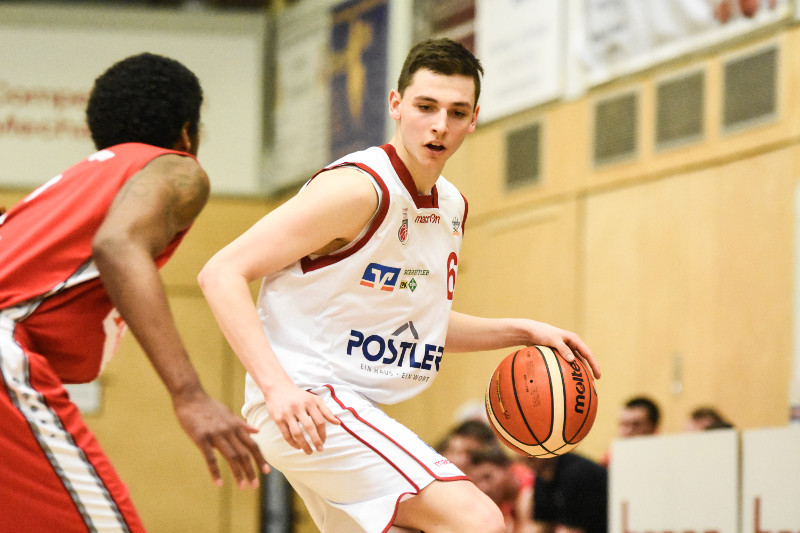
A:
[(98, 509)]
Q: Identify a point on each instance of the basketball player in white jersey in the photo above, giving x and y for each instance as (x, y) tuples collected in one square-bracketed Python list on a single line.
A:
[(359, 270)]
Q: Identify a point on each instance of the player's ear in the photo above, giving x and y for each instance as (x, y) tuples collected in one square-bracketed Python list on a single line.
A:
[(184, 142), (474, 122), (394, 104)]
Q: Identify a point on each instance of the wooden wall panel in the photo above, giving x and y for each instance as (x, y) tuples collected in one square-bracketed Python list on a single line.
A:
[(689, 282)]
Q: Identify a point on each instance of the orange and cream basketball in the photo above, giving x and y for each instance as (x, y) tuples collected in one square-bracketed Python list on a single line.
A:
[(539, 404)]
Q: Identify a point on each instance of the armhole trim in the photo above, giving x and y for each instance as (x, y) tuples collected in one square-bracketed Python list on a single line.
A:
[(309, 264)]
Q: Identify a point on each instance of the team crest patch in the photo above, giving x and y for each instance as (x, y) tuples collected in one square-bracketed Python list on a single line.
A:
[(402, 233), (456, 226)]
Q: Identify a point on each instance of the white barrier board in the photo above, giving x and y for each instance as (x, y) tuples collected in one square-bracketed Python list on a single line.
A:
[(771, 480), (675, 483)]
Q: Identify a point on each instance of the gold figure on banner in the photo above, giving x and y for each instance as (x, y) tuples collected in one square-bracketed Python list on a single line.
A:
[(349, 60)]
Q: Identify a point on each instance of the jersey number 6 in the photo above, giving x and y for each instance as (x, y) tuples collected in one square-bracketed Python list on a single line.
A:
[(452, 262)]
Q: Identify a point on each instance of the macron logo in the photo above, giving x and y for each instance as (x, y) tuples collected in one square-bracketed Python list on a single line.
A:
[(427, 219)]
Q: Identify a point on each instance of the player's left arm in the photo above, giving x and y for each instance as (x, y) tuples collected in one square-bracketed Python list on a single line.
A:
[(468, 333), (154, 205)]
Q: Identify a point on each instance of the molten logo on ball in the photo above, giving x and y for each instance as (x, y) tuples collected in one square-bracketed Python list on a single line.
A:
[(580, 388), (540, 405)]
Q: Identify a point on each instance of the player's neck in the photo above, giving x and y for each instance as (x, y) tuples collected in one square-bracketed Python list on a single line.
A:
[(424, 176)]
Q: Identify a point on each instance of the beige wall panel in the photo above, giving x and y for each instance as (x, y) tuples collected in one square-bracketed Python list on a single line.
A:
[(479, 168), (165, 471), (243, 506), (222, 220), (476, 169), (690, 278), (717, 146)]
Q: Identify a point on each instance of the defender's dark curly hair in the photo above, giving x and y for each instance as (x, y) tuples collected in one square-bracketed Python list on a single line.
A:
[(442, 56), (145, 98)]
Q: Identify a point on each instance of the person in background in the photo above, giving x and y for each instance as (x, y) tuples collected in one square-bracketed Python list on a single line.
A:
[(465, 439), (704, 418), (638, 417), (570, 494), (508, 482), (79, 260)]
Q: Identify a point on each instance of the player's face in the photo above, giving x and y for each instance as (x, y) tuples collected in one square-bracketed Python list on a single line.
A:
[(633, 421), (433, 116)]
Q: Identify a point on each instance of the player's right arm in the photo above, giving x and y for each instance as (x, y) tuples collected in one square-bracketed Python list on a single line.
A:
[(328, 213), (154, 206)]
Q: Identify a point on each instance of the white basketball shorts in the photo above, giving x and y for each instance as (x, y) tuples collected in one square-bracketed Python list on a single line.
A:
[(370, 463)]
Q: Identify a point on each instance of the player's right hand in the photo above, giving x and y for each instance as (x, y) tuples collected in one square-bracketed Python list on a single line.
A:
[(211, 425), (300, 416)]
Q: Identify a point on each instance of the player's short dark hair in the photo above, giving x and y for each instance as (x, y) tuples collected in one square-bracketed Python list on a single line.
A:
[(643, 402), (145, 98), (442, 56)]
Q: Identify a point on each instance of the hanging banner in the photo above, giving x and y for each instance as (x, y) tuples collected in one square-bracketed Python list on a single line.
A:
[(358, 61), (624, 36), (300, 144), (52, 55), (521, 46)]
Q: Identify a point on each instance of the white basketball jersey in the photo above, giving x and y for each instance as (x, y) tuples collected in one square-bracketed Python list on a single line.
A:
[(372, 316)]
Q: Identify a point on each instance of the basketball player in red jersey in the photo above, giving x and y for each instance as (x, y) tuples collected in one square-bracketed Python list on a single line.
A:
[(79, 260)]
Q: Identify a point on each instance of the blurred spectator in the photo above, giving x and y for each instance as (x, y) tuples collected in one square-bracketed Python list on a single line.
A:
[(508, 482), (704, 418), (465, 439), (570, 495), (639, 416)]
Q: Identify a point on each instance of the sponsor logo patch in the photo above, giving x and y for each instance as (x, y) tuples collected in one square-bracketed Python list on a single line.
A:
[(391, 354), (381, 276)]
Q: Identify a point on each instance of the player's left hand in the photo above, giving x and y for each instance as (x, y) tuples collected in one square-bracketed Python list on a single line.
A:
[(210, 424), (568, 344)]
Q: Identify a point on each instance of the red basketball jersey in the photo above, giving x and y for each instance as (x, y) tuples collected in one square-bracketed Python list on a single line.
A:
[(46, 260)]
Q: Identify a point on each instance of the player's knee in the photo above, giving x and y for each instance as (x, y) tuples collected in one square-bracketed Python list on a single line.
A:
[(486, 518)]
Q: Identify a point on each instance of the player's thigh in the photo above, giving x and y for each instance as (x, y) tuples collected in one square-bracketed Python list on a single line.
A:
[(446, 506)]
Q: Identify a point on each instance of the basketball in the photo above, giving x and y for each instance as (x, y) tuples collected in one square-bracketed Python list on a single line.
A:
[(539, 404)]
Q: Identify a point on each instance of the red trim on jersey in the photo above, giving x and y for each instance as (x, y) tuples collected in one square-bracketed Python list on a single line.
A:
[(308, 264), (430, 201), (466, 210)]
